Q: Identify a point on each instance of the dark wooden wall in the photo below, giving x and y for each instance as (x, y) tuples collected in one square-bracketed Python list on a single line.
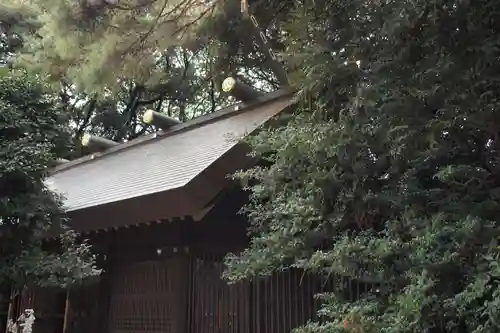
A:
[(49, 304), (4, 308), (166, 278), (185, 293)]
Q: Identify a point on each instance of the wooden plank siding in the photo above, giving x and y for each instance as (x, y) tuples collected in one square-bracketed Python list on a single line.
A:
[(148, 296), (186, 294), (166, 278), (215, 306), (4, 308), (83, 309), (49, 305)]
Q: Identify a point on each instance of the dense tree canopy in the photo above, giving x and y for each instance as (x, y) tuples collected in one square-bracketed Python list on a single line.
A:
[(106, 94), (32, 135), (138, 63), (183, 86), (92, 44), (95, 42), (185, 92), (389, 173)]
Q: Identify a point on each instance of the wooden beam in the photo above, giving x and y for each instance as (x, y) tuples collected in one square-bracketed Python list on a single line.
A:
[(10, 310), (61, 161), (240, 90), (159, 119), (244, 8), (66, 312), (197, 217), (97, 143)]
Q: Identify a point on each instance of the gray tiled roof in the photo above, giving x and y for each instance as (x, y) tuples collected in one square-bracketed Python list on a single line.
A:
[(167, 162)]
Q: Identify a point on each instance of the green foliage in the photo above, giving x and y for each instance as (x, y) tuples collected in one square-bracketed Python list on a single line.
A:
[(101, 43), (15, 21), (92, 43), (32, 134), (389, 174), (110, 100), (183, 91), (110, 61)]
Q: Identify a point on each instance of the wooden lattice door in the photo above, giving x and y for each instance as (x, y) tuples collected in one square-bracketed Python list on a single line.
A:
[(147, 297), (83, 309), (215, 306)]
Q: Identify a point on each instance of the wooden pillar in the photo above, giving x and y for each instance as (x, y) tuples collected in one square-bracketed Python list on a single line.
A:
[(240, 90), (105, 285), (9, 310), (66, 311)]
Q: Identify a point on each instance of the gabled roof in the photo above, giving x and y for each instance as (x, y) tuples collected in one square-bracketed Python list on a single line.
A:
[(166, 161)]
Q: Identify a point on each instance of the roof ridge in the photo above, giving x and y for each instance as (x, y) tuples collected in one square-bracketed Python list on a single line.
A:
[(191, 124)]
